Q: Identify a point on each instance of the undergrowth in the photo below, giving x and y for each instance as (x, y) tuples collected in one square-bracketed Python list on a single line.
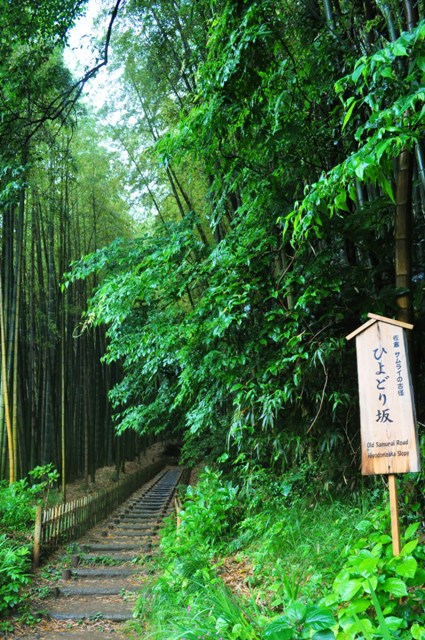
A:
[(17, 511), (318, 568)]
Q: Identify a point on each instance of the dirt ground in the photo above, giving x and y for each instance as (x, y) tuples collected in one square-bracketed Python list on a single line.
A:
[(106, 475)]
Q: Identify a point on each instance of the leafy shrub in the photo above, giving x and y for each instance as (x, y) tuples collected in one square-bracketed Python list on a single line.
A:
[(14, 568), (17, 511), (377, 595), (16, 506), (17, 500), (300, 621), (210, 511), (45, 477)]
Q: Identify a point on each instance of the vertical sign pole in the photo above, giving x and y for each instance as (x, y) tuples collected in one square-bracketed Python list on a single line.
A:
[(395, 522), (37, 536)]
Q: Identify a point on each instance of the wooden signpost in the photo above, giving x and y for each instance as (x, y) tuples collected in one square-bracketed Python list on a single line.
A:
[(389, 438)]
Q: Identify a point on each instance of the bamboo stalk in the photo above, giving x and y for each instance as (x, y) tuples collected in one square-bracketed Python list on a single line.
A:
[(9, 430)]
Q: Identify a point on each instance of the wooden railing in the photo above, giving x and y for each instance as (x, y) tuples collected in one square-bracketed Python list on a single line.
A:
[(70, 520)]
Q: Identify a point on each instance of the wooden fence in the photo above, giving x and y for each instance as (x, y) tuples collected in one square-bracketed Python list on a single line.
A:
[(70, 520)]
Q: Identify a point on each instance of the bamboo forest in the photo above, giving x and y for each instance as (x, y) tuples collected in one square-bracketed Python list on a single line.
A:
[(200, 200)]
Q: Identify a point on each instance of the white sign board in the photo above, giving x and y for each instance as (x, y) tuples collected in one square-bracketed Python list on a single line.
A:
[(387, 414)]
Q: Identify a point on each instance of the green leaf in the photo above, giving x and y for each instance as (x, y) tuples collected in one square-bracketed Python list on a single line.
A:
[(386, 72), (349, 113), (399, 49), (319, 618), (393, 623), (296, 612), (326, 634), (395, 587), (417, 631), (371, 581), (279, 629), (348, 589), (357, 606), (388, 189), (341, 201), (409, 547), (357, 71), (368, 566), (411, 530), (407, 568), (360, 626)]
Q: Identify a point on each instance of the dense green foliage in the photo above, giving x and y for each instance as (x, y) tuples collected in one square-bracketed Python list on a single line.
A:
[(17, 517), (300, 567), (267, 159)]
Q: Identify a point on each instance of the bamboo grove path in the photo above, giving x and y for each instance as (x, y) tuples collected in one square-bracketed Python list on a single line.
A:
[(91, 587)]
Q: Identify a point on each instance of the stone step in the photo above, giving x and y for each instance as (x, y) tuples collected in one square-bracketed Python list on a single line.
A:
[(104, 572), (131, 517), (123, 533), (113, 557), (114, 589), (145, 520), (95, 608), (104, 549)]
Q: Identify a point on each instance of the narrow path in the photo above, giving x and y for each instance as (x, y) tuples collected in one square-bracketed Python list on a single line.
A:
[(90, 589)]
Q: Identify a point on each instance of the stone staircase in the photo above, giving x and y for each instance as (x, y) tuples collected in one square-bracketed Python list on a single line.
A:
[(98, 578)]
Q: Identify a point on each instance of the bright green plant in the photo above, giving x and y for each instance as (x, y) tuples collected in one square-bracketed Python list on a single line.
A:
[(377, 594), (302, 621), (17, 506), (17, 500), (210, 511), (14, 574), (45, 476)]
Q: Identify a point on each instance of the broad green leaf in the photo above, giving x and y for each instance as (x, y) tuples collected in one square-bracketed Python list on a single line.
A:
[(417, 631), (361, 626), (279, 629), (386, 72), (326, 634), (372, 581), (399, 49), (407, 568), (349, 588), (341, 201), (411, 530), (296, 612), (409, 547), (319, 618), (357, 71), (357, 606), (393, 623), (368, 566), (395, 587)]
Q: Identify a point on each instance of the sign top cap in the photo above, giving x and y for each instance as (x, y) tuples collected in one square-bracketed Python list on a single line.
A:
[(375, 318)]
